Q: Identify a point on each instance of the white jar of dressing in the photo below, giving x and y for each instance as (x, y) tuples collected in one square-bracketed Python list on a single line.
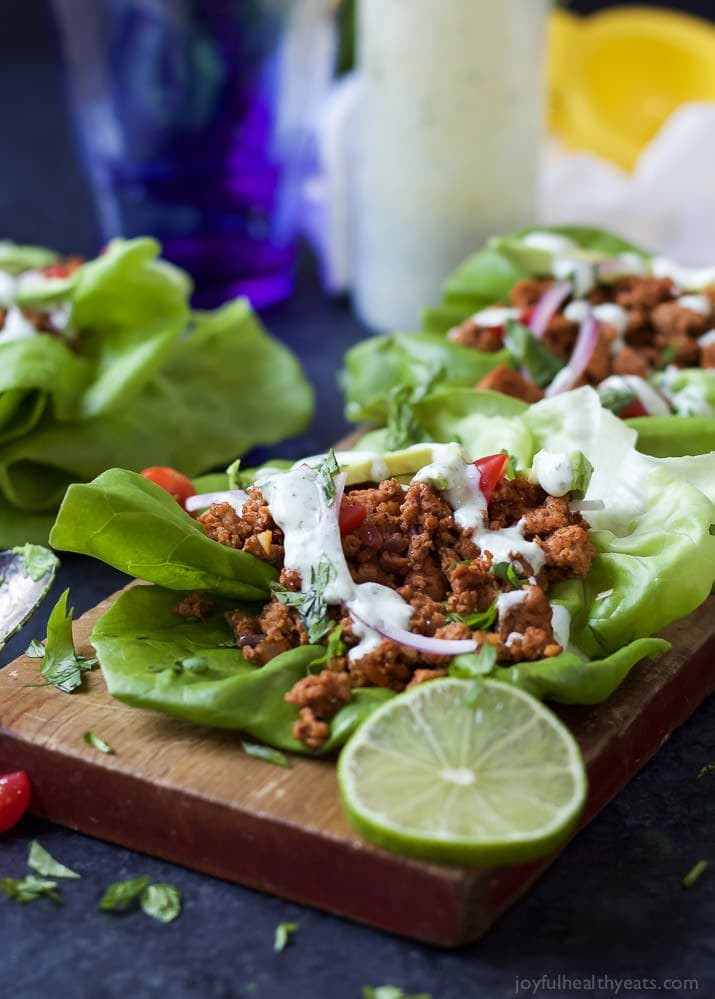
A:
[(449, 135)]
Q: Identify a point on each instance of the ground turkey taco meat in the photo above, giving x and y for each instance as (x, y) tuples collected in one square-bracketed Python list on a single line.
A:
[(645, 325), (377, 573)]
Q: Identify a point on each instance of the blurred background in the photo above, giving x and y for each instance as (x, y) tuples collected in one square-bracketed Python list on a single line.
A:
[(607, 120)]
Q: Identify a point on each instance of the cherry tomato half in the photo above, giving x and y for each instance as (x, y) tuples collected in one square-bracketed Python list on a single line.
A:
[(63, 268), (491, 470), (351, 515), (634, 408), (14, 798), (178, 485)]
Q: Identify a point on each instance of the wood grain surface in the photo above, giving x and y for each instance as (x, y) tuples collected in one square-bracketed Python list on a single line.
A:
[(190, 795)]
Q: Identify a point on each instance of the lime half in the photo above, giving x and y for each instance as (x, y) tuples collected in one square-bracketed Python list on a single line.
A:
[(438, 774)]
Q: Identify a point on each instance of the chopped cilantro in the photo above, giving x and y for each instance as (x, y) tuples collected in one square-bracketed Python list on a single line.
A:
[(531, 353), (284, 933), (310, 603), (161, 902), (694, 873), (333, 650), (510, 471), (479, 620), (41, 861), (97, 742), (668, 355), (62, 667), (616, 399), (708, 768), (507, 572), (581, 472), (120, 894), (325, 473), (474, 666), (35, 650), (30, 888), (234, 476), (266, 753)]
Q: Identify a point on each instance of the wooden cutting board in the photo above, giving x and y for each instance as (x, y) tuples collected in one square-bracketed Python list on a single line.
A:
[(190, 795)]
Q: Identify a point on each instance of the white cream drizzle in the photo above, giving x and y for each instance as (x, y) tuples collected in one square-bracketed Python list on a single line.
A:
[(696, 303), (16, 327)]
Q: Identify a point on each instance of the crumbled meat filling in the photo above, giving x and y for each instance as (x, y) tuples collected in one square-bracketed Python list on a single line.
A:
[(408, 541), (659, 329)]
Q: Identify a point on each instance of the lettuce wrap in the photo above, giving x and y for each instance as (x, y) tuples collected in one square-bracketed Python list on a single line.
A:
[(651, 528), (381, 367), (130, 376)]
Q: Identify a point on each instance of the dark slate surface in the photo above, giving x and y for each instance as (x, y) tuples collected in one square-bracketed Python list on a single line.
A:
[(612, 908)]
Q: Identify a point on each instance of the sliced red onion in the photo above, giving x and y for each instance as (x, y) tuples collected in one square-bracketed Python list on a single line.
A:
[(339, 483), (578, 362), (578, 505), (234, 497), (548, 305), (422, 643)]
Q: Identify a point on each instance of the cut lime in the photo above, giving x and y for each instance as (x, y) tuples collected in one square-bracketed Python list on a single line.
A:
[(497, 782)]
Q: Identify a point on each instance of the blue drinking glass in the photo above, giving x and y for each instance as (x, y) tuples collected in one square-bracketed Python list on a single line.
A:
[(193, 119)]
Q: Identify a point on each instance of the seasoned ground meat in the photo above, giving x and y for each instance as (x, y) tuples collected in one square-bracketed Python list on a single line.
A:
[(409, 541), (505, 379), (195, 607), (659, 327), (276, 629), (253, 530), (471, 334), (423, 675)]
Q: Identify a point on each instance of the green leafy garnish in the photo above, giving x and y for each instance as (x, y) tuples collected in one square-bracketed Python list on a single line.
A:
[(390, 992), (284, 934), (402, 429), (120, 894), (694, 873), (310, 603), (40, 860), (531, 353), (35, 650), (38, 561), (97, 742), (616, 399), (708, 768), (581, 472), (479, 620), (507, 572), (510, 470), (325, 473), (335, 649), (30, 888), (474, 664), (161, 902), (668, 355), (62, 667), (266, 753)]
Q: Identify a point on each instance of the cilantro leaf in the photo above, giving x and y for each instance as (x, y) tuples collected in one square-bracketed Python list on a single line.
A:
[(62, 667), (30, 888), (474, 664), (97, 742), (42, 861), (325, 473), (506, 571), (120, 894), (266, 753), (531, 353), (402, 429), (706, 770), (616, 399), (479, 620), (284, 933), (581, 472), (333, 650), (310, 604), (35, 650), (161, 902)]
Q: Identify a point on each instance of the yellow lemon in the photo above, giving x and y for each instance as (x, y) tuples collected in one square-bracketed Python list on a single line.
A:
[(615, 76)]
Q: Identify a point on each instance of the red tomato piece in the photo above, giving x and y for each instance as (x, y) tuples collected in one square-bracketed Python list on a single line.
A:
[(14, 798), (178, 485), (63, 268), (634, 408), (351, 515), (491, 470)]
